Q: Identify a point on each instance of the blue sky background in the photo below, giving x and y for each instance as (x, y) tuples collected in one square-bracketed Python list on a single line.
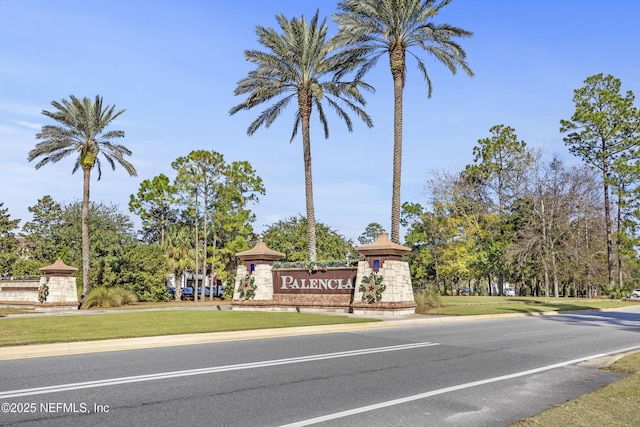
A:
[(173, 65)]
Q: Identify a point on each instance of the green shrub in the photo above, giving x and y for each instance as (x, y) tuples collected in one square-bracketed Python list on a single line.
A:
[(427, 298), (125, 296), (227, 294), (101, 296), (616, 293), (104, 297)]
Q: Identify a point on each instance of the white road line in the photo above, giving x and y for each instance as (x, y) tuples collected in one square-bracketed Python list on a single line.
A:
[(407, 399), (211, 370)]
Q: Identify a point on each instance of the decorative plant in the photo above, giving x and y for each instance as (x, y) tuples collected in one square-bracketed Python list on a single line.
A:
[(247, 289), (106, 297), (372, 288), (314, 266), (43, 292)]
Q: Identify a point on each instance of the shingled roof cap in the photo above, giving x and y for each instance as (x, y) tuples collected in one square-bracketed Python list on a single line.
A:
[(260, 252), (383, 246), (58, 267)]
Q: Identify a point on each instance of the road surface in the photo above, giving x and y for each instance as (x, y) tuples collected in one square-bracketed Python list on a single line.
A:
[(465, 373)]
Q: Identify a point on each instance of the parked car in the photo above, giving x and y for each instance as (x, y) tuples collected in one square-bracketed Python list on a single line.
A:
[(187, 292), (207, 292), (635, 293), (509, 291)]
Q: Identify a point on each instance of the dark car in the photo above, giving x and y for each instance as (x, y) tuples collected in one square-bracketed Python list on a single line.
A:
[(217, 291), (185, 294)]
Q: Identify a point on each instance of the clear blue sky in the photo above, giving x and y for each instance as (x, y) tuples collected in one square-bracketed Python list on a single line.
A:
[(173, 65)]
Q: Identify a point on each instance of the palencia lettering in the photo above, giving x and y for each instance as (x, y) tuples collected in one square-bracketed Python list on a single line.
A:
[(289, 282)]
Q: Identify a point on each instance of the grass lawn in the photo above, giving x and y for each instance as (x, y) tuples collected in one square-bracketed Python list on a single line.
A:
[(123, 324), (615, 405), (470, 305)]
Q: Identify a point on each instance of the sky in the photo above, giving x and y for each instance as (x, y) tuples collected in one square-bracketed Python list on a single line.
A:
[(173, 66)]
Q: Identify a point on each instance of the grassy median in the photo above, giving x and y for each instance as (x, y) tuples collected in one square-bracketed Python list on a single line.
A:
[(614, 405), (174, 318), (123, 324), (471, 306)]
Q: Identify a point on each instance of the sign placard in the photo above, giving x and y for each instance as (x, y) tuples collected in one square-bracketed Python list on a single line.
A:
[(298, 281)]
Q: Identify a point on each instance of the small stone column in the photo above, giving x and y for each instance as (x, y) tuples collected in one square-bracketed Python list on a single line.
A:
[(254, 278), (383, 259), (60, 284)]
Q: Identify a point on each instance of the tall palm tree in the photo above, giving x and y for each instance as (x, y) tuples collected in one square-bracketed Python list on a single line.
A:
[(373, 28), (300, 63), (82, 131)]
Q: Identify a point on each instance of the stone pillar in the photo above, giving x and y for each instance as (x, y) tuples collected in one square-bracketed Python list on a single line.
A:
[(60, 284), (254, 278), (383, 259)]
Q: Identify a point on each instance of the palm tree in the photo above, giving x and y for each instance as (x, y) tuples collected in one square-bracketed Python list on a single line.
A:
[(82, 132), (373, 28), (300, 63), (180, 252)]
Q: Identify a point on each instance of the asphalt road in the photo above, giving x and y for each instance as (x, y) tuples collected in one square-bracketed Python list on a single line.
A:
[(465, 373)]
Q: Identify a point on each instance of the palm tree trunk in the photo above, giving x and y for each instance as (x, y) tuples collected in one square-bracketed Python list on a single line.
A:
[(397, 61), (195, 286), (213, 261), (178, 287), (304, 103), (86, 171)]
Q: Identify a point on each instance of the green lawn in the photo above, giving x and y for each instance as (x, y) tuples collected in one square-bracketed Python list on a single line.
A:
[(469, 305), (615, 405), (123, 324)]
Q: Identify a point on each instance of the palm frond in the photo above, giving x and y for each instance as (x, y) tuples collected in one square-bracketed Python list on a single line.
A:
[(298, 56), (80, 130), (370, 28), (296, 126), (268, 116), (323, 118)]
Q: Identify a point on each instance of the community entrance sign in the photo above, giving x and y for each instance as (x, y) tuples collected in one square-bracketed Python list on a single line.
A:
[(379, 284)]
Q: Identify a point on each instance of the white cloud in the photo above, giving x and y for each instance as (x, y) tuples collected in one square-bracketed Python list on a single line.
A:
[(20, 109), (26, 124)]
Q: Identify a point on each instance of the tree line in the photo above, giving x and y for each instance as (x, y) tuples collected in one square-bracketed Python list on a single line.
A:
[(141, 260), (509, 217), (549, 228)]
